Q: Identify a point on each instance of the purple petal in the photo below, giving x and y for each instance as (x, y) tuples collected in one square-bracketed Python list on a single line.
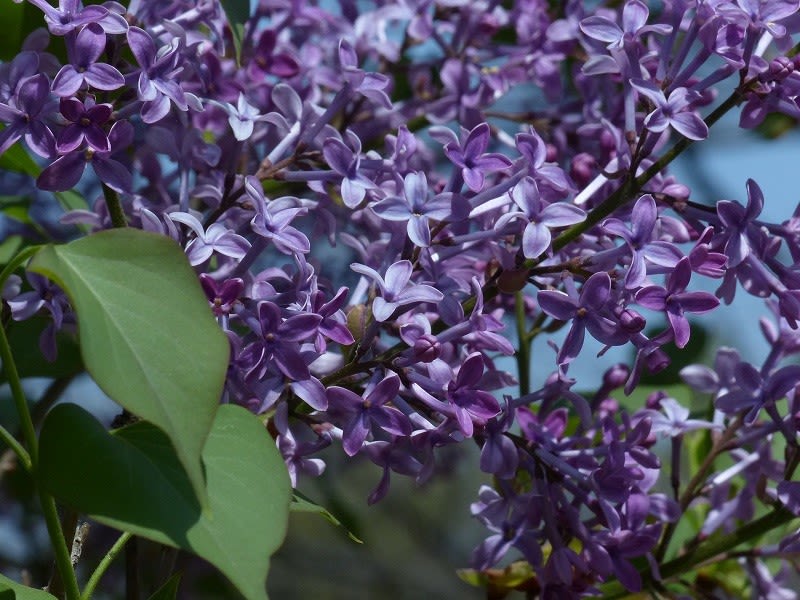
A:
[(535, 240), (680, 327), (63, 174), (113, 174), (299, 327), (312, 392), (652, 297), (355, 434), (392, 208), (572, 343), (89, 44), (596, 290), (557, 304), (67, 81), (104, 77), (398, 275), (600, 28), (697, 302), (338, 156), (142, 46), (418, 231), (690, 125), (383, 309), (562, 214)]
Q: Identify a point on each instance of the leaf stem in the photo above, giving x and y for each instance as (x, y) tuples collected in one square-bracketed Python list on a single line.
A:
[(524, 351), (16, 447), (104, 564), (60, 550)]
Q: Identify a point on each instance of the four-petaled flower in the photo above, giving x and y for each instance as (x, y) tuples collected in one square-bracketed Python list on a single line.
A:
[(473, 160), (675, 301), (396, 289)]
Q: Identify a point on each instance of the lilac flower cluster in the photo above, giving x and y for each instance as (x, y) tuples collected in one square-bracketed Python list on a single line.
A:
[(392, 134)]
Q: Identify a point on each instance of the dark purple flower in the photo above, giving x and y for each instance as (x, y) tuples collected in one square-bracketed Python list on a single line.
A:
[(674, 300), (536, 236), (84, 68), (66, 171), (334, 323), (472, 159), (272, 219), (738, 221), (71, 14), (265, 61), (362, 412), (221, 297), (634, 24), (85, 120), (369, 85)]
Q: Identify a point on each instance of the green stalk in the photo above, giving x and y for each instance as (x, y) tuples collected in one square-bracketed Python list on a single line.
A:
[(16, 262), (63, 562), (114, 205), (524, 352), (18, 449), (104, 564)]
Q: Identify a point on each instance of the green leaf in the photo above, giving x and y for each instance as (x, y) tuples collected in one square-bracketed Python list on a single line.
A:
[(147, 335), (168, 591), (302, 504), (10, 589), (16, 159), (238, 13), (132, 480)]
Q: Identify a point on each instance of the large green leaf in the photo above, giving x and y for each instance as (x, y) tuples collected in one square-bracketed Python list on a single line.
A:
[(10, 589), (132, 480), (147, 335), (168, 591)]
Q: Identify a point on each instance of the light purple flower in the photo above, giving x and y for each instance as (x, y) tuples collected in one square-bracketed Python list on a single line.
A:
[(84, 69), (396, 289), (675, 111), (415, 208), (217, 238)]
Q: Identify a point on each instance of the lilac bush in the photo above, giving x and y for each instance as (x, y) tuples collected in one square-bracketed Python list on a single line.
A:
[(492, 173)]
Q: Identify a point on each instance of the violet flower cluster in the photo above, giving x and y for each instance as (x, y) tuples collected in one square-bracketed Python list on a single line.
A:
[(492, 172)]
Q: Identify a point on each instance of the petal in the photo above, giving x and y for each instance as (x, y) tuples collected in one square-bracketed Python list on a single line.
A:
[(338, 156), (104, 77), (652, 297), (535, 240), (418, 231), (89, 44), (596, 290), (63, 174), (142, 46), (557, 304), (113, 174), (600, 28), (690, 125), (397, 276), (67, 81), (562, 214)]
